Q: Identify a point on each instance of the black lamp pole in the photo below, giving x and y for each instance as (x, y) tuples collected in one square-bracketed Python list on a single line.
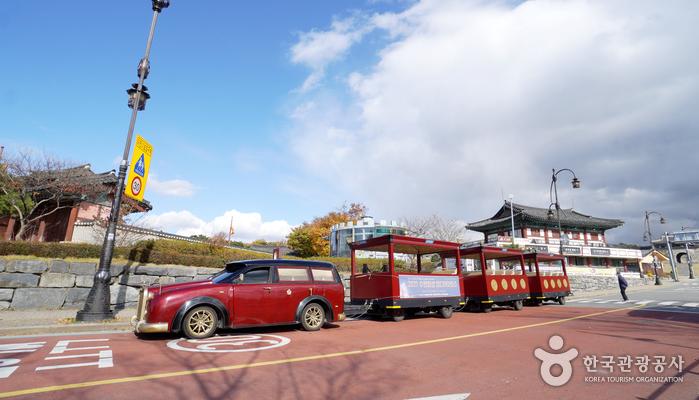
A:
[(648, 235), (97, 303), (553, 193)]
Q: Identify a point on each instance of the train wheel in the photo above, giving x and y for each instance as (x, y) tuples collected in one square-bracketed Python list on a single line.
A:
[(397, 316), (517, 305), (446, 312), (562, 300), (486, 308)]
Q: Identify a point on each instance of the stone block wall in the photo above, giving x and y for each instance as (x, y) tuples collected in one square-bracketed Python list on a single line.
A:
[(54, 284)]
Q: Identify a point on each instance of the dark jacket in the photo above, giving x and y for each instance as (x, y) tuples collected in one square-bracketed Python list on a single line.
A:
[(622, 282)]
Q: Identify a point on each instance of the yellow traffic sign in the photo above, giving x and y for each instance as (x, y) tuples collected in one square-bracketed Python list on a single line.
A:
[(138, 172)]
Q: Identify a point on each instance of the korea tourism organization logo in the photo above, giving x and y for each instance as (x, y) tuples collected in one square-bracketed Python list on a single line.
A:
[(556, 368), (549, 360), (230, 344)]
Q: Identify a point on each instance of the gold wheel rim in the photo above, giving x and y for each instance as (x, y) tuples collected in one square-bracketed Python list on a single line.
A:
[(313, 316), (201, 322)]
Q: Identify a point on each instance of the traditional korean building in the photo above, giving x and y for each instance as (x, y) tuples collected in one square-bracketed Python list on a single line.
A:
[(87, 199), (584, 236)]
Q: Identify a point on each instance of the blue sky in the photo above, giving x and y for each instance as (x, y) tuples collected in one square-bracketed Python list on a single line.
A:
[(221, 83), (276, 112)]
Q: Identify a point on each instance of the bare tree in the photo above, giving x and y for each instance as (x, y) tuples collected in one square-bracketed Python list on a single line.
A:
[(435, 227), (32, 188)]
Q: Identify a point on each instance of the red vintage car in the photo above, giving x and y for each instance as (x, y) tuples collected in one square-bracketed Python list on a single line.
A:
[(245, 294)]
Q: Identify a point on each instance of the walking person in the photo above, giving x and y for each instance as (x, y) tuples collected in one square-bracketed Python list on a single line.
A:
[(622, 285)]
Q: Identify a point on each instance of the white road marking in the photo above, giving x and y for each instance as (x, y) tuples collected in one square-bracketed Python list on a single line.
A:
[(603, 301), (573, 300), (455, 396), (104, 360), (667, 303), (690, 305), (588, 300), (644, 302)]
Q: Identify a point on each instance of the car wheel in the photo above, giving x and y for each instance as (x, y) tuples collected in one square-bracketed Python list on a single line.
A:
[(446, 312), (562, 300), (486, 308), (312, 317), (200, 322), (517, 305), (397, 316)]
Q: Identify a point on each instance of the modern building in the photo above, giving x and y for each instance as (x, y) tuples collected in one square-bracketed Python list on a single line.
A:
[(366, 228), (584, 236)]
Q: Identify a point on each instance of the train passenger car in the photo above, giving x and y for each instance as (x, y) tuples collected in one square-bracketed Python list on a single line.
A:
[(497, 277), (547, 276), (394, 293)]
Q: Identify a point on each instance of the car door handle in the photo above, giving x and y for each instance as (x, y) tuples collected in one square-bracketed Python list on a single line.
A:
[(267, 288)]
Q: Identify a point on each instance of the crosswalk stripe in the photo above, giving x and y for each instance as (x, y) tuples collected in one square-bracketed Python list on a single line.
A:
[(588, 300), (667, 303), (690, 305), (644, 302), (603, 301), (573, 300)]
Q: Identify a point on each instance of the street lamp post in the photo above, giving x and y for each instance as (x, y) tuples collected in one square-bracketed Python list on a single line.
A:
[(97, 303), (512, 218), (689, 259), (672, 258), (649, 236), (553, 194)]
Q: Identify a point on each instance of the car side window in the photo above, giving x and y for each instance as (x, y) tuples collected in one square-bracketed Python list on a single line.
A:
[(257, 275), (324, 275), (293, 274)]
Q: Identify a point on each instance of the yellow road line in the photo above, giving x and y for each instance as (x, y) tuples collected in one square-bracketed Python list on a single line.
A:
[(147, 377)]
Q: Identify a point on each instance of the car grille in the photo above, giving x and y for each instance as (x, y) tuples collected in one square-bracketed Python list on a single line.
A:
[(141, 310)]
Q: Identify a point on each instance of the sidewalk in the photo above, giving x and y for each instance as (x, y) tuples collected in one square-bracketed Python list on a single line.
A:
[(630, 290), (35, 322)]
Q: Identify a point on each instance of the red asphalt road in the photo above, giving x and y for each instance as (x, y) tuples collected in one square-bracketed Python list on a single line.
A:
[(487, 355)]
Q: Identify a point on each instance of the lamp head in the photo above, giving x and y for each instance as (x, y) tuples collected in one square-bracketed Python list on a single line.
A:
[(662, 220), (576, 183), (159, 5), (134, 94), (549, 214)]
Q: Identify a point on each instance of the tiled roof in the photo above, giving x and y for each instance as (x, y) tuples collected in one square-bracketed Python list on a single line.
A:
[(527, 215)]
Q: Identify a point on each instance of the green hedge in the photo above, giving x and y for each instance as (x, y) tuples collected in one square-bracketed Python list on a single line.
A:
[(166, 252)]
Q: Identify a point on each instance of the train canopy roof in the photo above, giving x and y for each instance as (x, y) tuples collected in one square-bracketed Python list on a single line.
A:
[(404, 245)]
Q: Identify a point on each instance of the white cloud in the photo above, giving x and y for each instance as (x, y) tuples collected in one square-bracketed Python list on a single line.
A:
[(469, 99), (316, 49), (247, 226), (172, 187)]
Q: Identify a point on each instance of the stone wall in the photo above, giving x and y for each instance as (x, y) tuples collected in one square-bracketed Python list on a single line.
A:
[(54, 284), (584, 279)]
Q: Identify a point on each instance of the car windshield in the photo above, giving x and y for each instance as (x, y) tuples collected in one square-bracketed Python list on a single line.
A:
[(228, 274)]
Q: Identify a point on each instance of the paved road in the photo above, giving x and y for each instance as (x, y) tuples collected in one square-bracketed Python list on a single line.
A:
[(680, 297), (474, 355)]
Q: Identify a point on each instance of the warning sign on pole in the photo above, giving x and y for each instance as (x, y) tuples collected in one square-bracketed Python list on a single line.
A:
[(138, 173)]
